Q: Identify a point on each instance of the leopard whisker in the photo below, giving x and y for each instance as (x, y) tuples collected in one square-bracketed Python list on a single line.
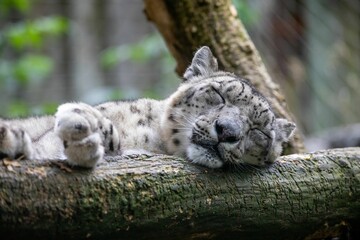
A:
[(186, 118)]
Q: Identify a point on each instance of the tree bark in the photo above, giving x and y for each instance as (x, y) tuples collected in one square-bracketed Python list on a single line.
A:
[(188, 24), (165, 197)]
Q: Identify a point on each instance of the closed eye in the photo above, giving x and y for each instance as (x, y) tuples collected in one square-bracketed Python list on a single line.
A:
[(218, 93), (261, 132), (269, 140), (259, 138)]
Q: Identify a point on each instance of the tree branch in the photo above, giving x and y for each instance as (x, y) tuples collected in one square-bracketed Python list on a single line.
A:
[(161, 196)]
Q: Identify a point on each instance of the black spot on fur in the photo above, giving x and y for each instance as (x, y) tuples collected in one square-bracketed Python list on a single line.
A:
[(65, 144), (111, 145), (124, 134), (146, 138), (272, 120), (176, 142), (149, 107), (111, 129), (15, 133), (79, 126), (76, 110), (243, 89), (22, 133), (263, 111), (175, 131), (2, 132), (141, 122), (190, 95), (149, 119), (171, 117), (102, 108), (134, 109)]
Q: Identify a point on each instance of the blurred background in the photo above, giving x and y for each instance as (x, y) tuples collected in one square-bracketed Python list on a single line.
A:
[(53, 51)]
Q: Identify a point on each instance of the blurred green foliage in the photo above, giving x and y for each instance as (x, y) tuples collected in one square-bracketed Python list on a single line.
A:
[(28, 69), (152, 47), (6, 6), (246, 13), (147, 49), (33, 33), (22, 61), (139, 52)]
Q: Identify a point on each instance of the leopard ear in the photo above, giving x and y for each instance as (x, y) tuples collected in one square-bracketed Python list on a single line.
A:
[(203, 64), (284, 129)]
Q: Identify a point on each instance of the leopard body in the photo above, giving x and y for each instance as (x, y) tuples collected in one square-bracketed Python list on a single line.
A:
[(213, 118)]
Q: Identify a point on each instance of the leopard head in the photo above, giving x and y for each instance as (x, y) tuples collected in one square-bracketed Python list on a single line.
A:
[(216, 117)]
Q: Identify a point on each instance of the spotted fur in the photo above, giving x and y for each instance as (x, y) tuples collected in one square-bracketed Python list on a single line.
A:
[(213, 118)]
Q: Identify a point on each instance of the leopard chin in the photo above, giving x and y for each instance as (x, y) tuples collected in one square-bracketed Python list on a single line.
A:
[(204, 155)]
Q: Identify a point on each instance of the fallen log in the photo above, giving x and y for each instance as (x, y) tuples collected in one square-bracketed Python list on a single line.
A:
[(165, 197)]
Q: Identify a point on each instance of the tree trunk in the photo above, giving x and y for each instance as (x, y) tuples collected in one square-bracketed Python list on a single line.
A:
[(164, 197), (188, 24)]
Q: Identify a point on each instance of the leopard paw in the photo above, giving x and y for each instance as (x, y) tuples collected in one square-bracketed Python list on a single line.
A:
[(86, 152), (86, 134)]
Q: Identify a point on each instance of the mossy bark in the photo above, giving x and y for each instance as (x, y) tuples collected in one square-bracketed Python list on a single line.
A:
[(187, 25), (164, 197)]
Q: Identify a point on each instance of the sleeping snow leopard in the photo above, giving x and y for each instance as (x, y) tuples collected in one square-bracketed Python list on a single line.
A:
[(212, 119)]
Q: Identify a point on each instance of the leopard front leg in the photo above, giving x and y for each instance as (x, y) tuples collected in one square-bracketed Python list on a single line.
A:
[(14, 142), (86, 134)]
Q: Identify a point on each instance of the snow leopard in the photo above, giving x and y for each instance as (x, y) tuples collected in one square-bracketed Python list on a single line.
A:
[(214, 118)]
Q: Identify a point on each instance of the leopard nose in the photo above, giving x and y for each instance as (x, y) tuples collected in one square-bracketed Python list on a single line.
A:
[(227, 130)]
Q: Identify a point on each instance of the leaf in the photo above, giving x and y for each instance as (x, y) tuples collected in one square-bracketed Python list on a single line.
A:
[(17, 109), (9, 162), (49, 108), (54, 25), (144, 50), (31, 34), (40, 172), (33, 68), (63, 167), (21, 5), (10, 168), (115, 55)]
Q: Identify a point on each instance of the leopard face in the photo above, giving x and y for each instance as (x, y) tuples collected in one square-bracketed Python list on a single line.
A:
[(216, 117)]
